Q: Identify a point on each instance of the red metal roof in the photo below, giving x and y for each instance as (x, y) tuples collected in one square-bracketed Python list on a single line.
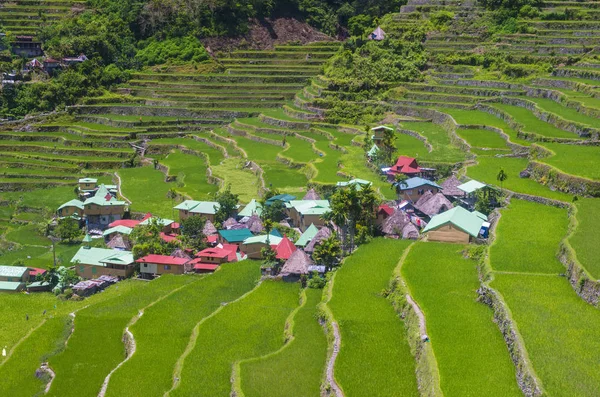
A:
[(212, 239), (34, 271), (175, 225), (205, 266), (285, 248), (162, 260), (405, 165), (385, 208), (168, 237), (131, 223), (214, 252)]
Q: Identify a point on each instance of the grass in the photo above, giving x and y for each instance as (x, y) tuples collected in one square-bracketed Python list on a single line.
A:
[(354, 163), (470, 352), (28, 235), (215, 156), (478, 117), (48, 198), (250, 327), (439, 140), (18, 372), (528, 236), (327, 166), (410, 146), (574, 159), (242, 181), (561, 332), (171, 321), (29, 256), (531, 123), (147, 190), (374, 357), (487, 169), (585, 238), (191, 171), (482, 138), (301, 361), (96, 346)]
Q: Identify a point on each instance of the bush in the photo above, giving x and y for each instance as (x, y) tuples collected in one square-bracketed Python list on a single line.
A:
[(441, 19), (177, 50)]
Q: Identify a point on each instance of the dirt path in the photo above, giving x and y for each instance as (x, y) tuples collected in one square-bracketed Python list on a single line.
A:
[(46, 368), (337, 340), (23, 339), (119, 183), (420, 315)]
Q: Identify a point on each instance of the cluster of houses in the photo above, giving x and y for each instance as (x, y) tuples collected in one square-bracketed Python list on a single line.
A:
[(45, 65), (21, 278)]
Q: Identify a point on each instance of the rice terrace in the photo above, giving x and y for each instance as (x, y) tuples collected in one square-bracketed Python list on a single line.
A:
[(299, 198)]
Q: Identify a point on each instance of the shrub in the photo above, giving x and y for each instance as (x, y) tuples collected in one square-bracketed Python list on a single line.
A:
[(177, 50)]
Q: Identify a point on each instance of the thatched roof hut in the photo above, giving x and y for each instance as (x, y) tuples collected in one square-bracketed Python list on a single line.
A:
[(297, 264), (255, 224), (322, 234), (311, 195), (410, 232), (436, 204), (209, 229), (179, 253), (395, 223), (450, 187), (118, 242), (229, 223)]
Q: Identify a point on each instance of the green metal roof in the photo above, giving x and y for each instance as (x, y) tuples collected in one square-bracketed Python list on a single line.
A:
[(10, 285), (356, 181), (72, 203), (373, 151), (198, 207), (253, 207), (100, 198), (286, 198), (307, 236), (461, 218), (415, 182), (382, 127), (98, 256), (12, 271), (235, 236), (87, 239), (159, 221), (481, 215), (118, 229), (471, 186), (311, 207), (262, 239)]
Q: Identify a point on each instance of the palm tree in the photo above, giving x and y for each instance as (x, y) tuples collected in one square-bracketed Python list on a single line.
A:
[(399, 184), (502, 176)]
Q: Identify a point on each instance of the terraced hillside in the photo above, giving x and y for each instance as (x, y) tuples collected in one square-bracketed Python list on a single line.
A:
[(25, 17)]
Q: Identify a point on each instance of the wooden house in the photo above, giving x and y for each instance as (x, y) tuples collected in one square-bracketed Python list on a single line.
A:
[(450, 188), (73, 208), (311, 195), (92, 262), (454, 226), (379, 133), (306, 236), (12, 286), (252, 246), (405, 165), (432, 204), (384, 211), (236, 237), (284, 249), (14, 274), (414, 188), (304, 213), (206, 209), (103, 208), (378, 34), (87, 184), (398, 225), (252, 208), (323, 234), (153, 265)]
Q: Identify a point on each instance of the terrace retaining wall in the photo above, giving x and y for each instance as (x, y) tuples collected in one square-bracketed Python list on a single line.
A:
[(556, 179)]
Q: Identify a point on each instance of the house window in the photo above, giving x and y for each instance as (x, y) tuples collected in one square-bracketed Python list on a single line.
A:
[(167, 267), (145, 265), (94, 270), (9, 279), (81, 269)]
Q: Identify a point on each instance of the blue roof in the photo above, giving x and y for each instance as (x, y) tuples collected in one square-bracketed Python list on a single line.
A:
[(235, 236), (415, 182), (275, 232)]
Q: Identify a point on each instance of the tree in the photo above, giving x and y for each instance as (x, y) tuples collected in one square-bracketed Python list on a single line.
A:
[(328, 252), (275, 211), (484, 203), (501, 177), (191, 230), (268, 224), (147, 240), (388, 146), (68, 229), (227, 205), (399, 184)]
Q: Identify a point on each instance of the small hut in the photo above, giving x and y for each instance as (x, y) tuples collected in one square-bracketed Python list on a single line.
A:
[(311, 195), (179, 253), (255, 224), (119, 243), (378, 34), (410, 232), (230, 224), (395, 223), (323, 234), (432, 204), (209, 229), (296, 266), (450, 187)]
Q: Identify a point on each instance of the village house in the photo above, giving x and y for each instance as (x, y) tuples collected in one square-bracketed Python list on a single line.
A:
[(252, 246), (153, 265), (168, 226), (450, 188), (405, 165), (207, 209), (454, 226), (311, 195), (358, 183), (303, 213), (209, 259), (236, 237), (308, 235), (108, 234), (413, 188), (19, 274), (51, 65), (432, 204), (92, 262), (379, 133), (297, 266), (323, 234), (284, 249), (87, 185), (384, 211), (398, 225), (26, 47), (378, 34), (252, 208), (73, 208), (103, 208)]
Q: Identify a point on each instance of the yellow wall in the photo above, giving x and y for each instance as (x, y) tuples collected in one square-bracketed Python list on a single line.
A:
[(68, 211), (89, 271), (449, 234), (94, 209), (414, 195)]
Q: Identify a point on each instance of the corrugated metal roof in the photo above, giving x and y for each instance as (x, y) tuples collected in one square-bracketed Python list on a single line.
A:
[(13, 271), (253, 207), (100, 256), (461, 218), (471, 186), (198, 207), (307, 235), (72, 203), (415, 182), (10, 285), (235, 235)]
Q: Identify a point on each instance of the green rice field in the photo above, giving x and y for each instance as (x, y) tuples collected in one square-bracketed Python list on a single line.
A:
[(584, 240)]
